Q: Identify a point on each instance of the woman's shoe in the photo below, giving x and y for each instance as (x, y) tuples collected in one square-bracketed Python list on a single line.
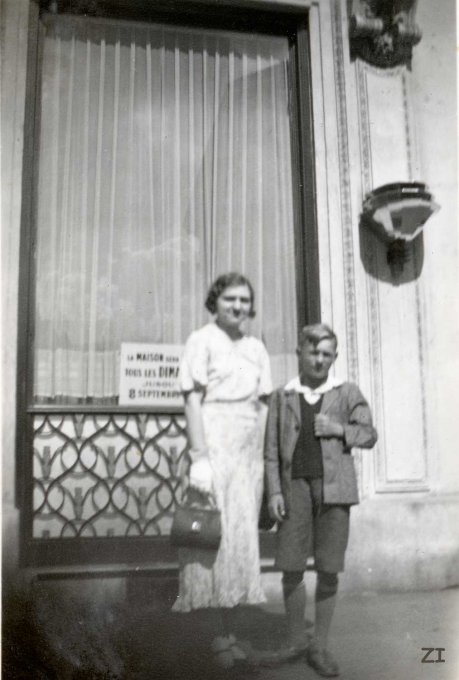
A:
[(222, 652), (244, 656), (237, 650), (289, 652), (292, 652), (277, 657)]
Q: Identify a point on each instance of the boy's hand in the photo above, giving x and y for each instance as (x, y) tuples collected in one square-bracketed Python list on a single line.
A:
[(326, 427), (276, 507)]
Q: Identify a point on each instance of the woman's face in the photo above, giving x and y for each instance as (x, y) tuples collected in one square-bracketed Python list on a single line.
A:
[(233, 306)]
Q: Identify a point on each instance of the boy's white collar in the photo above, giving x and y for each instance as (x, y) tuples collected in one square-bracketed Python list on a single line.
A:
[(313, 395)]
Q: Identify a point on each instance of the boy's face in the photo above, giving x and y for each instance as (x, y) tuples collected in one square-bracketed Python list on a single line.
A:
[(315, 361)]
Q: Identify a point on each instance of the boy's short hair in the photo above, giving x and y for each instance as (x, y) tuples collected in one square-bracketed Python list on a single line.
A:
[(316, 332)]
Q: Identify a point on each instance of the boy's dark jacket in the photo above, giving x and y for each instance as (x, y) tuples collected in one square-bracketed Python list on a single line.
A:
[(345, 404)]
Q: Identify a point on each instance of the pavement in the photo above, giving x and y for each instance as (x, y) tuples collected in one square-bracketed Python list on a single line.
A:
[(374, 636), (381, 636), (50, 635)]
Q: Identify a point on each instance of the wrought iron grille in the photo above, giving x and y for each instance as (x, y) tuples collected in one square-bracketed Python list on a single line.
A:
[(106, 475)]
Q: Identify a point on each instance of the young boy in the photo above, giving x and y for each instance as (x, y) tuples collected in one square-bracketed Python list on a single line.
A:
[(313, 423)]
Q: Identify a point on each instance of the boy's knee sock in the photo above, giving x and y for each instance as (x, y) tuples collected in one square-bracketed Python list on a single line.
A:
[(294, 592), (325, 600)]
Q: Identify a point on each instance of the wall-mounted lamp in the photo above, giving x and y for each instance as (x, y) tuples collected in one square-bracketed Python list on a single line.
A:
[(397, 214)]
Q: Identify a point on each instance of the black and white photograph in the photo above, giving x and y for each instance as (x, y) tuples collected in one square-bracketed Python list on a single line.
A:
[(230, 339)]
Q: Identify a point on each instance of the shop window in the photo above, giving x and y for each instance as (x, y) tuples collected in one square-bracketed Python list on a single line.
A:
[(157, 157), (164, 160)]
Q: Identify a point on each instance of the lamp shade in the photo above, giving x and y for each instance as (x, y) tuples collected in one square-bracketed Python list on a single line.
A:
[(398, 211)]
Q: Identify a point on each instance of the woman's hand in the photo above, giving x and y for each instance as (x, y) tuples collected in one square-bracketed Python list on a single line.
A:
[(276, 507), (201, 476), (200, 470)]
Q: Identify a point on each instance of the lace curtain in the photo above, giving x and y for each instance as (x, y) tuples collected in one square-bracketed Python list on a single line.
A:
[(164, 161)]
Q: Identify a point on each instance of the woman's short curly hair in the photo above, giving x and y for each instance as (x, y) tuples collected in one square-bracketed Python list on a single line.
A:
[(229, 280)]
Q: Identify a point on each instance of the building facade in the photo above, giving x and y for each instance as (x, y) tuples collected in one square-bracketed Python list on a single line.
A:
[(144, 151)]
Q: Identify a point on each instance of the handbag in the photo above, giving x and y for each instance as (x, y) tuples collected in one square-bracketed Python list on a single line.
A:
[(196, 523)]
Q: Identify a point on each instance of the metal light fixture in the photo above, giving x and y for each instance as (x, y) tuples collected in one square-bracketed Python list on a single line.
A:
[(397, 213)]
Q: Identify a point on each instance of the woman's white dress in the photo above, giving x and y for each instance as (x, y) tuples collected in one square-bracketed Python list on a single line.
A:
[(233, 375)]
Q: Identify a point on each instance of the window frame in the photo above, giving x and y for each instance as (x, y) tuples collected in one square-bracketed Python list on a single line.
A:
[(264, 16)]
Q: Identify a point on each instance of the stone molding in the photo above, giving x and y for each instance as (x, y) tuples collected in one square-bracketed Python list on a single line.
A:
[(380, 400), (345, 191)]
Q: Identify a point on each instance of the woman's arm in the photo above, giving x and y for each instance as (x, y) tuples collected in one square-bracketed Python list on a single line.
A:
[(194, 424), (200, 469)]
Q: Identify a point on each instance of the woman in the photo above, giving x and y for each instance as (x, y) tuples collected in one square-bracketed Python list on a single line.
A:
[(225, 377)]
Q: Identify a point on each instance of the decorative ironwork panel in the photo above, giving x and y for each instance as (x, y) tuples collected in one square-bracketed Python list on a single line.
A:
[(106, 475)]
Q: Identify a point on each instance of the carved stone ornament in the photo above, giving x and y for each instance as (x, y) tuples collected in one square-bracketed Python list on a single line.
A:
[(383, 32)]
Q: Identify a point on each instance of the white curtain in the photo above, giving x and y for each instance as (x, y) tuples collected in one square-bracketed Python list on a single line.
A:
[(164, 161)]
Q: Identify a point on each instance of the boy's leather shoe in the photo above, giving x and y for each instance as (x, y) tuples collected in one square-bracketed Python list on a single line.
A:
[(321, 661)]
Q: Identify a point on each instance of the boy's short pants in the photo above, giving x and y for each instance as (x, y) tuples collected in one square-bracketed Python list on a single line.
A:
[(312, 528)]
